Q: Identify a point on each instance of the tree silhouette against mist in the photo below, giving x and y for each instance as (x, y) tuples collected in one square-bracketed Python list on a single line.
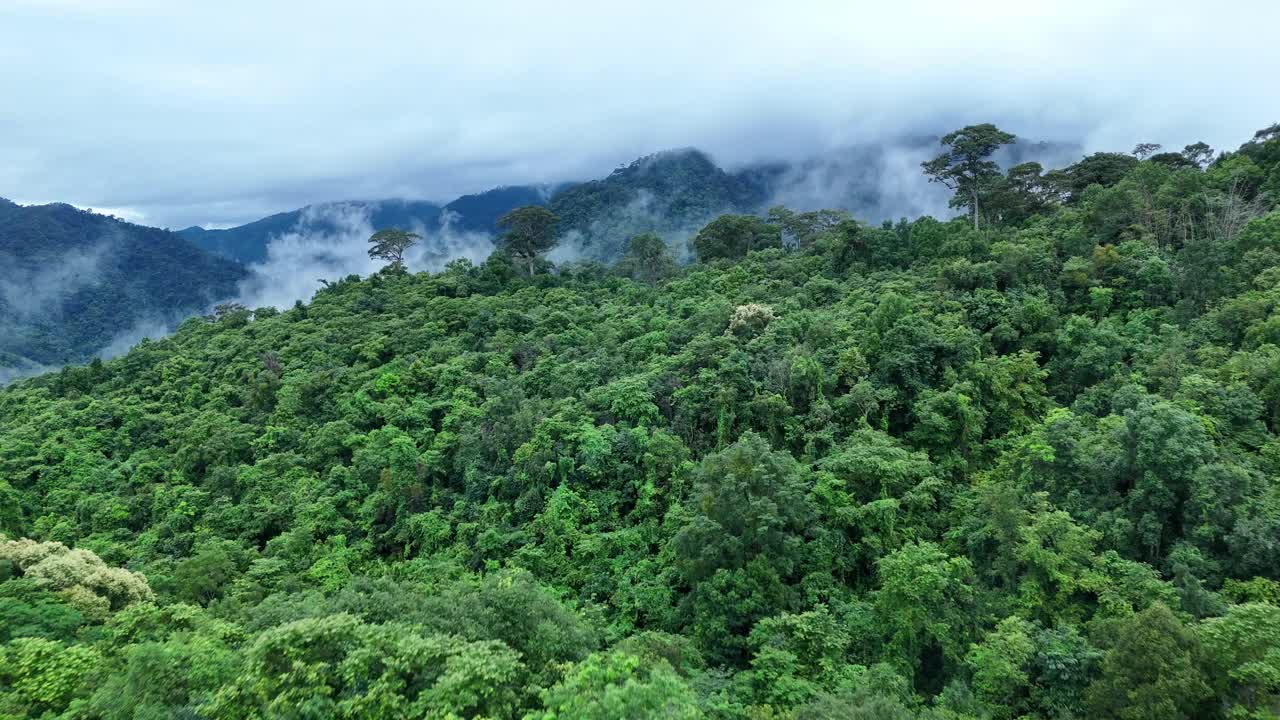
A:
[(966, 166), (391, 244)]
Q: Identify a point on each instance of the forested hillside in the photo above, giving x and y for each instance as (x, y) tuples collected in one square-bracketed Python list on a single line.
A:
[(1019, 464), (669, 193), (71, 281)]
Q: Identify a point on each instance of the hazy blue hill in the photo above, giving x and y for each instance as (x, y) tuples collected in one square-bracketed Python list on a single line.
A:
[(248, 243), (476, 213), (670, 193), (244, 243), (480, 212), (72, 281)]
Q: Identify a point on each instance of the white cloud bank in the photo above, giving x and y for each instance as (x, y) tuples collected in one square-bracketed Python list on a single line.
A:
[(224, 112)]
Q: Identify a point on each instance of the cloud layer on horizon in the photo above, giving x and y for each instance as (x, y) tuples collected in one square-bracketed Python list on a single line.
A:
[(178, 114)]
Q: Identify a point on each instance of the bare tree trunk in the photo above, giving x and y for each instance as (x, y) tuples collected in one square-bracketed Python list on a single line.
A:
[(975, 208)]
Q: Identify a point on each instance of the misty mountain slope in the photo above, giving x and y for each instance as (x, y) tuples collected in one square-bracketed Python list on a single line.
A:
[(72, 281), (671, 193), (248, 243), (480, 212), (674, 193), (244, 243), (880, 181), (476, 213)]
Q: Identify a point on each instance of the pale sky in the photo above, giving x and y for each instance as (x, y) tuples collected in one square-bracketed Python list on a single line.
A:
[(182, 112)]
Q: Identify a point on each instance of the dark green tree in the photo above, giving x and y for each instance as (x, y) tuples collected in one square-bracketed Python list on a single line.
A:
[(1198, 154), (744, 539), (733, 236), (1103, 168), (1022, 193), (528, 232), (391, 244), (1142, 151), (801, 229), (1150, 670), (648, 259), (966, 167)]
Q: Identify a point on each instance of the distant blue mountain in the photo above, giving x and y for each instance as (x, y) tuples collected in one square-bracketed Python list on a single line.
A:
[(480, 212), (469, 213), (248, 243), (671, 193)]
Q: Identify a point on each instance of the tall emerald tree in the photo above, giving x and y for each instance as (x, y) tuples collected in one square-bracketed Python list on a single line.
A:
[(528, 232), (966, 167)]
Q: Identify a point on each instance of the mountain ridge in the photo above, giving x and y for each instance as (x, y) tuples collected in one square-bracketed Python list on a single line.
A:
[(74, 280), (669, 192)]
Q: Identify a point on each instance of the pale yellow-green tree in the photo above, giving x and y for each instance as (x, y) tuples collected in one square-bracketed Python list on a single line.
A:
[(79, 575)]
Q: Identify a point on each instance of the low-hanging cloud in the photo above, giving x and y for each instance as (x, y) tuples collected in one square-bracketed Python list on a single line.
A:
[(884, 181), (39, 289), (606, 236), (147, 328), (22, 368), (36, 291), (330, 242), (430, 101)]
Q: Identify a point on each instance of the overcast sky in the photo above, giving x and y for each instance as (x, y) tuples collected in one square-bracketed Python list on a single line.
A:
[(193, 112)]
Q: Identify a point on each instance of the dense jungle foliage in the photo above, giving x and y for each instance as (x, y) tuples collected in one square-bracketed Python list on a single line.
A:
[(923, 470)]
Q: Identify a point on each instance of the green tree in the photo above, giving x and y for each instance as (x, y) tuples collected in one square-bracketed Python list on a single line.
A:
[(1102, 168), (733, 236), (1198, 154), (1150, 670), (390, 245), (1001, 666), (619, 686), (1021, 194), (1242, 658), (647, 258), (1142, 151), (528, 232), (966, 167), (173, 678), (923, 604), (40, 678), (795, 657), (744, 538), (340, 667), (804, 228)]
